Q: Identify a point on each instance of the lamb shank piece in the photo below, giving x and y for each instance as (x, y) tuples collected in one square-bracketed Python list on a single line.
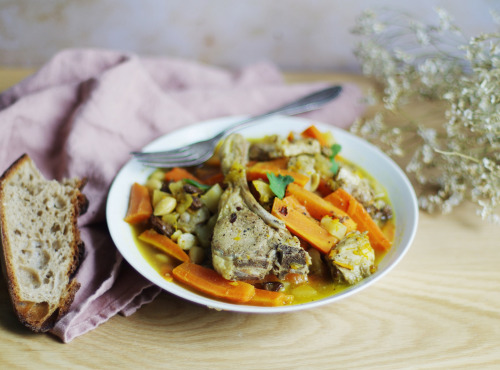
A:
[(249, 242)]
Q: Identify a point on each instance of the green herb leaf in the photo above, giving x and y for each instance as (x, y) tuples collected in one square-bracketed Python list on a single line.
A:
[(197, 184), (279, 183), (336, 148)]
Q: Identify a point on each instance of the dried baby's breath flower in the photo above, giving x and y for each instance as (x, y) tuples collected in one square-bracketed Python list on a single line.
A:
[(459, 157)]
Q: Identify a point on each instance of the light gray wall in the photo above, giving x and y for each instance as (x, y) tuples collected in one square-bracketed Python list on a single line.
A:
[(310, 35)]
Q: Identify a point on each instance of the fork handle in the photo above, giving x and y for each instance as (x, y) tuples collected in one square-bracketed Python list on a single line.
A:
[(306, 104)]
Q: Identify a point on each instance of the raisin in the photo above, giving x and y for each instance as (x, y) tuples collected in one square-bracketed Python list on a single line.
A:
[(161, 226), (197, 204)]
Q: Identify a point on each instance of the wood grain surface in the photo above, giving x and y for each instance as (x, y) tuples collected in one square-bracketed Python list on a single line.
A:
[(439, 308)]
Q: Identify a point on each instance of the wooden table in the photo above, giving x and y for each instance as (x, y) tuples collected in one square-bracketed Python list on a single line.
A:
[(439, 308)]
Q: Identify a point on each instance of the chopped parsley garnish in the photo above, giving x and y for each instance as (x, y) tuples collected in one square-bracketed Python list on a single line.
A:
[(279, 183), (197, 184), (336, 148)]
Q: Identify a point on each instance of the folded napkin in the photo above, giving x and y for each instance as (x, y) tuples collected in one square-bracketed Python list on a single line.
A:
[(85, 110)]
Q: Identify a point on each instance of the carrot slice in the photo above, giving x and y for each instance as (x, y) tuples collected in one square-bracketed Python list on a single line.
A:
[(208, 281), (313, 132), (209, 175), (365, 223), (257, 172), (339, 198), (139, 206), (302, 225), (319, 207), (164, 244), (267, 298), (177, 174), (217, 178), (280, 163), (344, 200)]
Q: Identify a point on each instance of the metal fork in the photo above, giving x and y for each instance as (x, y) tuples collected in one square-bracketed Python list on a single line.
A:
[(199, 152)]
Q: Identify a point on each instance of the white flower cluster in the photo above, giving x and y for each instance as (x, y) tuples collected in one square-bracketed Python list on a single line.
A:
[(460, 158)]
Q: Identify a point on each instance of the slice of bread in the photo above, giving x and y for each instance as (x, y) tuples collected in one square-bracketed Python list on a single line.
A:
[(41, 245)]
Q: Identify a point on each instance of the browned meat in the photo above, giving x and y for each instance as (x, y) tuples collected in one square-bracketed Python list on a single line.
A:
[(248, 242)]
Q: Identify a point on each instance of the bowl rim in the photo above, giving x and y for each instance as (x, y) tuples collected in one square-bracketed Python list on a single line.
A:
[(388, 174)]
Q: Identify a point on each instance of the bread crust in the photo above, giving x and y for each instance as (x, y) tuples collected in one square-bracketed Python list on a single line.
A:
[(37, 316)]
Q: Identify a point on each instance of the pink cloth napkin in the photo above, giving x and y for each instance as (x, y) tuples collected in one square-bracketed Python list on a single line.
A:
[(85, 110)]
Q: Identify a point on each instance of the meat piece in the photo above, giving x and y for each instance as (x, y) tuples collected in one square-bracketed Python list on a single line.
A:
[(361, 189), (358, 187), (352, 259), (248, 242), (260, 151), (305, 164), (276, 147)]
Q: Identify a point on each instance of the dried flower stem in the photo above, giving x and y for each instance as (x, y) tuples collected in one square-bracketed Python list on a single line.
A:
[(468, 157), (460, 157)]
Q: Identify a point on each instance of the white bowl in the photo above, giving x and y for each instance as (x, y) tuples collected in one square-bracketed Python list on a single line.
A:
[(363, 154)]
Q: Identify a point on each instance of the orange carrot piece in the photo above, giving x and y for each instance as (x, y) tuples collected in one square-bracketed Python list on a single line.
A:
[(164, 244), (177, 174), (318, 207), (313, 132), (209, 175), (365, 223), (256, 172), (359, 214), (267, 298), (208, 281), (280, 163), (205, 172), (302, 225), (295, 204), (217, 178), (339, 198), (139, 206)]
